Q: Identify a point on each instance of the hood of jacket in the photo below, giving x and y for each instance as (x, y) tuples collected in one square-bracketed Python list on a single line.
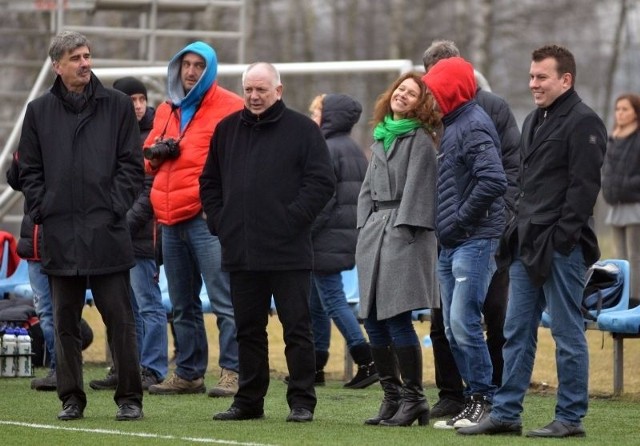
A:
[(188, 102), (452, 82), (340, 113)]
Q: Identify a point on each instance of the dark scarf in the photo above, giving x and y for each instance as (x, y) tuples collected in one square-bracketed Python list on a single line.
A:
[(77, 102)]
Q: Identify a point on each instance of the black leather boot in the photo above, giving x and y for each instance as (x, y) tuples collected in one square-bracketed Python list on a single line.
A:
[(413, 404), (387, 366)]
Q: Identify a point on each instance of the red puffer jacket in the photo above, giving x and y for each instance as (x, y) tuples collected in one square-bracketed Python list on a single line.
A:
[(175, 195)]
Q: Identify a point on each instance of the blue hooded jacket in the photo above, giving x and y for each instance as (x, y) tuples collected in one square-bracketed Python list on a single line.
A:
[(189, 103)]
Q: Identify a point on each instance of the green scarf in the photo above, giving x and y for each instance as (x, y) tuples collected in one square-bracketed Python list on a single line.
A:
[(388, 130)]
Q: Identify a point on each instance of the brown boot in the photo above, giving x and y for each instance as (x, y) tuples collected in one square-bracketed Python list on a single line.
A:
[(178, 386), (227, 385)]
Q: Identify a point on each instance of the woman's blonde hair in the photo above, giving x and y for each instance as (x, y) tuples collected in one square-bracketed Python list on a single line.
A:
[(316, 103)]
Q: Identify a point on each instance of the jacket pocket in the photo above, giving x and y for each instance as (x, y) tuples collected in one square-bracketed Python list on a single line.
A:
[(545, 218)]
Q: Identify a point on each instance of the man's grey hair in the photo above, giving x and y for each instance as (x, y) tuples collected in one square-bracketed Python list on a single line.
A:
[(65, 42), (438, 50), (275, 74)]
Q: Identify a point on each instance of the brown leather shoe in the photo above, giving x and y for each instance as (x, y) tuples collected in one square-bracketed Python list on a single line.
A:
[(178, 386), (227, 386)]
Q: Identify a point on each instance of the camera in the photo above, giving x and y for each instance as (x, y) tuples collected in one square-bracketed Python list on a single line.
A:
[(162, 150)]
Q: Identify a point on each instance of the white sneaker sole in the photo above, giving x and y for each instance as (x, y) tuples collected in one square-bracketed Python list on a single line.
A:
[(464, 423), (442, 425)]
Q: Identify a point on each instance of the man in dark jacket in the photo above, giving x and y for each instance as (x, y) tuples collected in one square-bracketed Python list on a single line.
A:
[(549, 245), (267, 176), (470, 220), (150, 315), (450, 388), (80, 170)]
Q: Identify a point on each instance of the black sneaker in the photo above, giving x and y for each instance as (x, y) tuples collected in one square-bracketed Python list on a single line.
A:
[(478, 408), (148, 378), (448, 424), (110, 381), (49, 382), (446, 408), (365, 376)]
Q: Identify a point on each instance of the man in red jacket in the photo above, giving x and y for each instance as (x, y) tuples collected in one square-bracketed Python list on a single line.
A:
[(175, 152)]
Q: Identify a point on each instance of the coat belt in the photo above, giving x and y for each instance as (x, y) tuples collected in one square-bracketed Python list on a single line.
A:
[(382, 205)]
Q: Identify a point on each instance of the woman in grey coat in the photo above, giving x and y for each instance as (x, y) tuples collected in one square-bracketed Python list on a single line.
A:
[(396, 252)]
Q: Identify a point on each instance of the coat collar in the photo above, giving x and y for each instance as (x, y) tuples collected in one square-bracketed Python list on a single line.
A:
[(271, 114), (555, 113), (378, 149)]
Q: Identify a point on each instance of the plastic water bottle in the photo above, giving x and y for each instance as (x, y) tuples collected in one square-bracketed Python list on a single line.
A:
[(9, 350), (24, 353), (426, 341)]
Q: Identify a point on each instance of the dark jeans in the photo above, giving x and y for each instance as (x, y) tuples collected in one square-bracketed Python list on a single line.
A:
[(251, 293), (111, 294), (397, 330), (448, 378)]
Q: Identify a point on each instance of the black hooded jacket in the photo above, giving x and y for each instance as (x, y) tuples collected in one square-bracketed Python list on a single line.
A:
[(140, 217), (334, 232)]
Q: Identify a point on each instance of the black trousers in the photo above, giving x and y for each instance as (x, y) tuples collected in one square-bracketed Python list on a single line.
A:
[(251, 293), (448, 378), (111, 294)]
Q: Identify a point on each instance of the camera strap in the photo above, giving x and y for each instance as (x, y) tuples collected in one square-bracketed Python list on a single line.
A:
[(173, 110)]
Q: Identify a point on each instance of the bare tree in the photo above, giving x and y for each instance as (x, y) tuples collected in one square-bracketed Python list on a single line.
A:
[(615, 56)]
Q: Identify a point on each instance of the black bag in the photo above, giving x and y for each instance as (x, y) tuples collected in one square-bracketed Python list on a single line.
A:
[(603, 289)]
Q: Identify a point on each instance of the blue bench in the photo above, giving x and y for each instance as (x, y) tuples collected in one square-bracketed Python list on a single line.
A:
[(621, 324), (623, 304)]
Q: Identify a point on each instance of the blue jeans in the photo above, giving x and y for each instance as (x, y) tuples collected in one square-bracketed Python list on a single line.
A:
[(561, 294), (153, 344), (44, 308), (397, 330), (191, 254), (329, 301), (465, 273)]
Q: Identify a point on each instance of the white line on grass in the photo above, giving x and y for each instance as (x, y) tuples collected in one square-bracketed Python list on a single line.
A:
[(131, 434)]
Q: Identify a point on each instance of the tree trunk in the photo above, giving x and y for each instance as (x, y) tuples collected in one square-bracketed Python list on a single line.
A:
[(613, 64)]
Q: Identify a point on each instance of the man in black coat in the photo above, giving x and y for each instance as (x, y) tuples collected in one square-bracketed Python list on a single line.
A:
[(268, 175), (450, 387), (549, 245), (80, 170)]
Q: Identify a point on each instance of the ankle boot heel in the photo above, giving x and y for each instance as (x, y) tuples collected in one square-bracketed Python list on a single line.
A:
[(423, 419)]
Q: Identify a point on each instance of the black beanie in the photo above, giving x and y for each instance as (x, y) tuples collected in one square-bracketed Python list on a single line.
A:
[(130, 85)]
